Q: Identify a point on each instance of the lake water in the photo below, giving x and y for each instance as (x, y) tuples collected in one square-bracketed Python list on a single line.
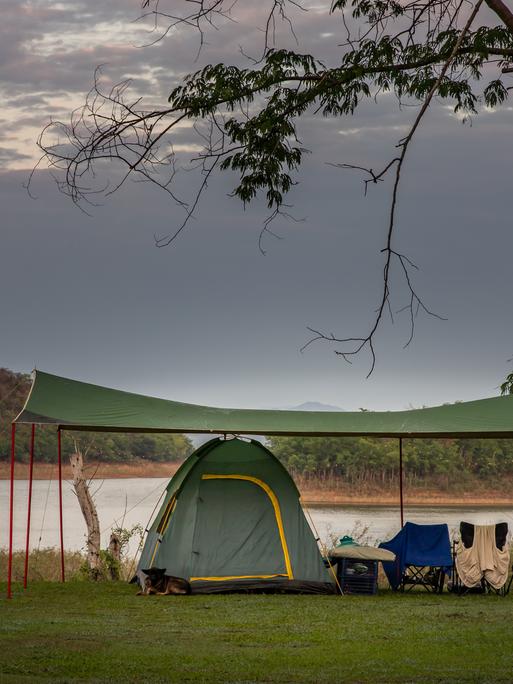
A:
[(129, 501)]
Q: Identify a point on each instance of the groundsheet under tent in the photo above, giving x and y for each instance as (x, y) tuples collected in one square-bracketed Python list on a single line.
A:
[(73, 405)]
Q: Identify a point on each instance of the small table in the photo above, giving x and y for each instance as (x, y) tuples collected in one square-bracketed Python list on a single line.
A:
[(357, 567)]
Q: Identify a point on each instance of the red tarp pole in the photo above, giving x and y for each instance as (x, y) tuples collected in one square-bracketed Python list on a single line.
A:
[(31, 470), (401, 479), (11, 511), (59, 455)]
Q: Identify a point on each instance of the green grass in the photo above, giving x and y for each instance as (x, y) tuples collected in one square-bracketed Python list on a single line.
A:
[(104, 633)]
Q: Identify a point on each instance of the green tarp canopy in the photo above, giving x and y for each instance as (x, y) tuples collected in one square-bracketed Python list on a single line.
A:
[(74, 405)]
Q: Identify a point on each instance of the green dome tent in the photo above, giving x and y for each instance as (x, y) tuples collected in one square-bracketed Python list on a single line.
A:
[(232, 521)]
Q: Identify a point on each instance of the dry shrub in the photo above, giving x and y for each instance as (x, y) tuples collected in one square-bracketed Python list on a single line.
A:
[(45, 565)]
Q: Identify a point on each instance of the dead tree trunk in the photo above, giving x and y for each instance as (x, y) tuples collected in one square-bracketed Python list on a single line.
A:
[(90, 515), (115, 552)]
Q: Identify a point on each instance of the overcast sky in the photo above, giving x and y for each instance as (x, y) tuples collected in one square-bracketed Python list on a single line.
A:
[(210, 320)]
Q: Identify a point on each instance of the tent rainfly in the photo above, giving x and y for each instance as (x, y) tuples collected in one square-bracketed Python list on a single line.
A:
[(72, 405), (231, 521)]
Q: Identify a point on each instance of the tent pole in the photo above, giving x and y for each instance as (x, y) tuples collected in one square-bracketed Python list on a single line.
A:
[(11, 511), (59, 458), (31, 471), (401, 479)]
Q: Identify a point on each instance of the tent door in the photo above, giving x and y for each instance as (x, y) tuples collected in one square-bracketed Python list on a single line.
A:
[(239, 531)]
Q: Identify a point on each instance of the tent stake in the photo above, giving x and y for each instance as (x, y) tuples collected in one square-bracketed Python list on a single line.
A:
[(59, 458), (31, 471), (401, 479), (11, 512)]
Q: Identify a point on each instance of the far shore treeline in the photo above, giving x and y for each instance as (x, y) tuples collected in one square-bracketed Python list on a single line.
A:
[(358, 462), (363, 462)]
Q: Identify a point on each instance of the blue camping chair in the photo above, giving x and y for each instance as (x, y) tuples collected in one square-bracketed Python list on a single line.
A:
[(422, 557)]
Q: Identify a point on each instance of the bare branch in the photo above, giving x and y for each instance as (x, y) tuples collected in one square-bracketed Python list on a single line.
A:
[(390, 253)]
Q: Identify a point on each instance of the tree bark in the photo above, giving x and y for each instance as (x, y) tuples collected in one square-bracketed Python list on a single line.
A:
[(115, 552), (502, 11), (90, 515)]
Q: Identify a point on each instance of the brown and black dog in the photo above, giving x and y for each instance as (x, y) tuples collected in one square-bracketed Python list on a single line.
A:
[(157, 582)]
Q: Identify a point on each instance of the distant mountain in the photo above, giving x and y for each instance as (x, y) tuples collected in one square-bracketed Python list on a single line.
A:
[(198, 440), (315, 406)]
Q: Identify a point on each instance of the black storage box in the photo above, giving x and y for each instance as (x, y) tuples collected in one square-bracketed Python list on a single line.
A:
[(357, 576)]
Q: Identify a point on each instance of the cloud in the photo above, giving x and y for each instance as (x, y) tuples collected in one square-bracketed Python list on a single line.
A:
[(8, 155), (49, 51)]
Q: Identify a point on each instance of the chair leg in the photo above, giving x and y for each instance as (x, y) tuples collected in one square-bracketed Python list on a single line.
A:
[(509, 583), (432, 579)]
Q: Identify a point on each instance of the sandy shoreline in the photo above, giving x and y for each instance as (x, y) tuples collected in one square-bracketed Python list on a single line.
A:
[(101, 471), (310, 493)]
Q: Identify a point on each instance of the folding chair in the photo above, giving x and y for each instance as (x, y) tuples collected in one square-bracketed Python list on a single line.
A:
[(423, 557), (430, 577), (489, 561)]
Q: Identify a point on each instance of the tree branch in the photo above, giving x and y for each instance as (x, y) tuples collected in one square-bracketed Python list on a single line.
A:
[(368, 340), (255, 111), (502, 11)]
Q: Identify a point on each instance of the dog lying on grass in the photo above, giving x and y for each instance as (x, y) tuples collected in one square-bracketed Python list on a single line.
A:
[(157, 582)]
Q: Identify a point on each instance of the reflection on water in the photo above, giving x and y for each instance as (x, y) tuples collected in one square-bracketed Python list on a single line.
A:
[(129, 501)]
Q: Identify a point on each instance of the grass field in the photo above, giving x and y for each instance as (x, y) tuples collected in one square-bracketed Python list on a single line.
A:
[(81, 632)]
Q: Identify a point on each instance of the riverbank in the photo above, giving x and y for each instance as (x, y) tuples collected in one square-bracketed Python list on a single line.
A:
[(312, 491), (98, 471)]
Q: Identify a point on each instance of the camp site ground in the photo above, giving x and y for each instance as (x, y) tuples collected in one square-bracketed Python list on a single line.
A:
[(80, 632)]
